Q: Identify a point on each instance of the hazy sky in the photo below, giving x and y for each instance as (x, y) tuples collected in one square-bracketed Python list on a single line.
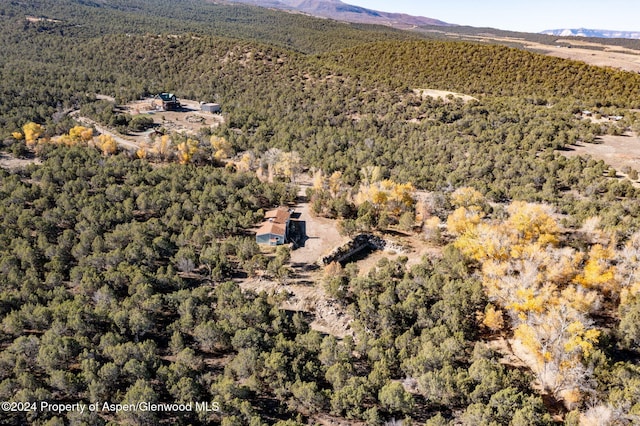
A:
[(520, 15)]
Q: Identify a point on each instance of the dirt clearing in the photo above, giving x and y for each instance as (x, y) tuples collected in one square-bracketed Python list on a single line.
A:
[(617, 151), (188, 119), (12, 164), (442, 94), (322, 234), (414, 249)]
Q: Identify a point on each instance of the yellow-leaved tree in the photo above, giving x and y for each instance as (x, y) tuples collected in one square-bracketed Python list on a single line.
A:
[(544, 290), (431, 229), (479, 241), (318, 180), (387, 195), (77, 135), (493, 318), (598, 271), (468, 197), (560, 339), (163, 147), (186, 150), (533, 222), (289, 165), (247, 162), (222, 148), (463, 220), (32, 132), (107, 144), (141, 152), (81, 134)]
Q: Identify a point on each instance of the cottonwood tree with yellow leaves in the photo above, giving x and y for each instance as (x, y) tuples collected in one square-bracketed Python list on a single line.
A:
[(598, 271), (546, 291), (330, 196), (282, 164), (81, 133), (107, 144), (222, 148), (78, 135), (163, 147), (247, 162), (469, 212), (560, 339), (32, 132), (186, 151), (387, 196)]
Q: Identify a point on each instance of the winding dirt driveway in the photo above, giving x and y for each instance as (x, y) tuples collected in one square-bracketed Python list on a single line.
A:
[(120, 140)]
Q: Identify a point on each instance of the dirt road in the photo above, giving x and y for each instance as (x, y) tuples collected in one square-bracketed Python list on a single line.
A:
[(322, 234), (120, 140)]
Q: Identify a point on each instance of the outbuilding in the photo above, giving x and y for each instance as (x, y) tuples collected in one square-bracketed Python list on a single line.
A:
[(211, 107)]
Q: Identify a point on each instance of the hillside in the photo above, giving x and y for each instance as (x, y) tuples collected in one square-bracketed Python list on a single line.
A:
[(292, 31), (491, 70), (509, 291), (340, 11)]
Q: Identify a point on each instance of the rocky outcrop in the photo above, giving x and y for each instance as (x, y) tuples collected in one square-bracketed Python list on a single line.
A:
[(355, 246)]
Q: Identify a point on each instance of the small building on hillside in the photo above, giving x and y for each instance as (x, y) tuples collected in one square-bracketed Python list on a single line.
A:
[(275, 228), (166, 101), (211, 107)]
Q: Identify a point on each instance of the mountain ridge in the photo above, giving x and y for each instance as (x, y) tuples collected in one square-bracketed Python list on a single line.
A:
[(340, 11), (587, 32)]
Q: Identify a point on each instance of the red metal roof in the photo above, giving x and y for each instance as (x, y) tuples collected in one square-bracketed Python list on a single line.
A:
[(275, 222)]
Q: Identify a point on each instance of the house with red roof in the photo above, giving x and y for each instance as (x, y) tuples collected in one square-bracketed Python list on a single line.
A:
[(275, 228)]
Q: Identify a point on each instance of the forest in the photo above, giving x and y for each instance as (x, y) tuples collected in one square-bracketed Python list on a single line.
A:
[(120, 271)]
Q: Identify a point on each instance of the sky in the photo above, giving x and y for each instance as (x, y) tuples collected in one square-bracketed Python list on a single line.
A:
[(520, 15)]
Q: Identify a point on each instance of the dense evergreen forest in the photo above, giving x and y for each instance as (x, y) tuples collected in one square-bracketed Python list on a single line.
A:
[(119, 275)]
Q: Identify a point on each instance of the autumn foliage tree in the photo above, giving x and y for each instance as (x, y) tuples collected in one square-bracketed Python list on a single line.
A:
[(186, 150), (81, 134), (32, 132), (560, 339), (222, 148), (107, 144), (547, 291), (163, 147), (388, 197)]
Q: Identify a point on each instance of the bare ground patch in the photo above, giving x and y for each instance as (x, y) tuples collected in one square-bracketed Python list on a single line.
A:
[(443, 94), (603, 58), (189, 119), (11, 163), (329, 316), (321, 233), (617, 151), (415, 249)]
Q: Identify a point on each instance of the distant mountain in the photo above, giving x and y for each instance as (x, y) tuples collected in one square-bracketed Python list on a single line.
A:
[(335, 9), (584, 32)]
